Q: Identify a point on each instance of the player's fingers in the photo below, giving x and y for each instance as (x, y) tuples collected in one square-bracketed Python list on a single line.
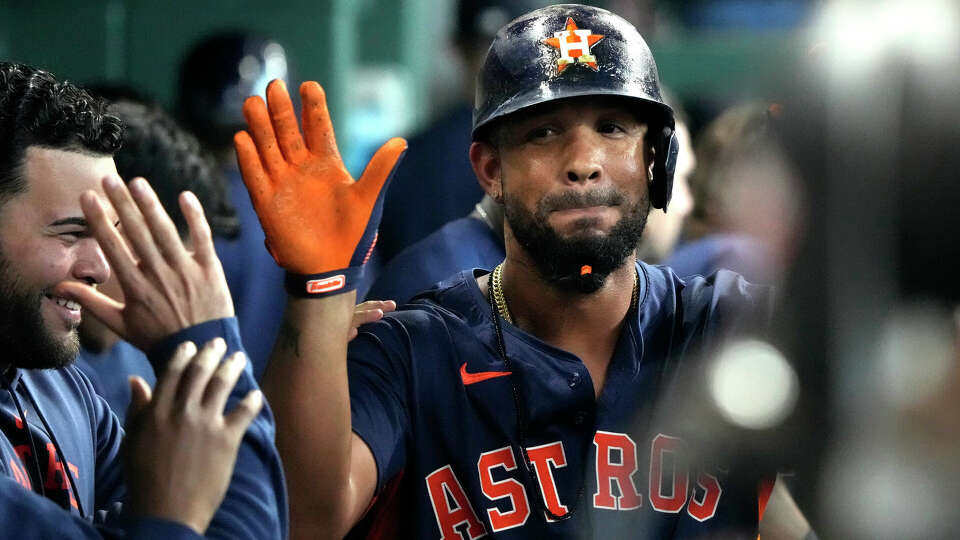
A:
[(352, 333), (161, 227), (201, 238), (261, 129), (246, 410), (169, 375), (361, 317), (385, 305), (380, 168), (252, 169), (198, 372), (101, 306), (223, 380), (377, 304), (317, 127), (134, 226), (115, 248), (285, 122), (139, 396)]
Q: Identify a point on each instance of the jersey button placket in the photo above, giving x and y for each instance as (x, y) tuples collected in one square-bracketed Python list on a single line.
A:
[(574, 380)]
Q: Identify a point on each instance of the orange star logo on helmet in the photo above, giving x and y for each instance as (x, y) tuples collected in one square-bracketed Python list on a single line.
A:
[(574, 45)]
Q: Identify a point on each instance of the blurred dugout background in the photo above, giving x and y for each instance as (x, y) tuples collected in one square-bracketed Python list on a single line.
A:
[(388, 66)]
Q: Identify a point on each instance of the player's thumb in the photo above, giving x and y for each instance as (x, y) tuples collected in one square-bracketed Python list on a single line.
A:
[(140, 395), (104, 308), (381, 167)]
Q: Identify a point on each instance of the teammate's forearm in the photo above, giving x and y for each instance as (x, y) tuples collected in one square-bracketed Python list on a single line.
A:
[(306, 384), (320, 225)]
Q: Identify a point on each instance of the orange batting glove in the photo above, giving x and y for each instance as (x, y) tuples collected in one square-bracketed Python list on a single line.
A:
[(320, 224)]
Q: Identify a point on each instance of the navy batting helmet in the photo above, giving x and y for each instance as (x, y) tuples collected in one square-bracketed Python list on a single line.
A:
[(572, 50)]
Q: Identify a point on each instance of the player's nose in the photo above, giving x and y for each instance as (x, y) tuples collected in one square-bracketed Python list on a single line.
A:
[(91, 265), (582, 157)]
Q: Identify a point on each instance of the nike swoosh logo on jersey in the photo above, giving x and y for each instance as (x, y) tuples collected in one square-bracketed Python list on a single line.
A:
[(480, 376)]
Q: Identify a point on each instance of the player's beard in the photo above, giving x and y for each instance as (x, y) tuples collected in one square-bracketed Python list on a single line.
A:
[(559, 259), (24, 337)]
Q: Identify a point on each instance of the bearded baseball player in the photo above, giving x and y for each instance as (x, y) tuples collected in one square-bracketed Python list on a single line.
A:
[(521, 402)]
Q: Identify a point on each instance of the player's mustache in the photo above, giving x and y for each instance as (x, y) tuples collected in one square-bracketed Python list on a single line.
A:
[(581, 199)]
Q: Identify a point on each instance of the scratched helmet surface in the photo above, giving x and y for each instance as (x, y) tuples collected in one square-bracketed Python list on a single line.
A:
[(570, 50)]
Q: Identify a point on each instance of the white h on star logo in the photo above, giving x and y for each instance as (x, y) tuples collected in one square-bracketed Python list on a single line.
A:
[(574, 45)]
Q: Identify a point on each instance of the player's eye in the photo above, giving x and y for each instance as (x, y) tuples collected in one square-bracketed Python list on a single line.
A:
[(540, 133), (72, 235), (611, 127)]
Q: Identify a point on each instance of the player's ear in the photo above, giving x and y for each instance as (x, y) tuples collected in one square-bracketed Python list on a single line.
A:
[(649, 152), (485, 160)]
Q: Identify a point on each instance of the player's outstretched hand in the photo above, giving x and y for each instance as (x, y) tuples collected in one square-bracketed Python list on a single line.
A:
[(180, 448), (368, 312), (166, 287), (316, 218)]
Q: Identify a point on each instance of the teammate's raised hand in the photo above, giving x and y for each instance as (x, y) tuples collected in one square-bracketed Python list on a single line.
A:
[(166, 286), (180, 447), (318, 221)]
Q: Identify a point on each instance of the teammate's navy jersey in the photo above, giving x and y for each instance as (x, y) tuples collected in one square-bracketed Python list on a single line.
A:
[(60, 470), (431, 397)]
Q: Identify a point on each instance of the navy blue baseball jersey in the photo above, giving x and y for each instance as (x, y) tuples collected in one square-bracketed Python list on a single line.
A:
[(433, 400), (463, 243)]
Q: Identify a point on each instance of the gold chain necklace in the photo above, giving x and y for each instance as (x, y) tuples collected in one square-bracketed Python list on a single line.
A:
[(496, 282)]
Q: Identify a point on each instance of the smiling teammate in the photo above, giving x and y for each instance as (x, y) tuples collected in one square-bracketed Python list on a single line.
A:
[(60, 445), (526, 402)]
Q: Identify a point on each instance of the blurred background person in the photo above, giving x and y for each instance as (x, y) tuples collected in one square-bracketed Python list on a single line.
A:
[(735, 223), (435, 172), (216, 75)]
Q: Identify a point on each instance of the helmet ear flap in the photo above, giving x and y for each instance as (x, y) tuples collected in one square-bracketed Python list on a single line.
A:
[(666, 148)]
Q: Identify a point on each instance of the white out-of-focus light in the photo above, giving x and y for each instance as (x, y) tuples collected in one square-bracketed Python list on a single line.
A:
[(752, 384), (873, 489), (860, 33), (275, 61), (249, 67), (916, 355)]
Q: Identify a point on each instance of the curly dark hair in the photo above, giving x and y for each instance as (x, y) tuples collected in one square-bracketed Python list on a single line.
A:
[(172, 160), (38, 110)]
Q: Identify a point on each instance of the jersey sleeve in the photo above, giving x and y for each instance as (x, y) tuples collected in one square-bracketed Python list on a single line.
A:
[(378, 371), (255, 505), (30, 516), (724, 305)]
